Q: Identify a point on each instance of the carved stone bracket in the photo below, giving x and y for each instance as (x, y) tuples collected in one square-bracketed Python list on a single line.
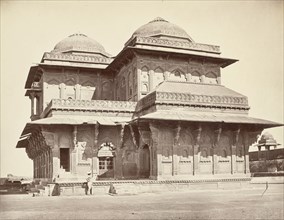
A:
[(217, 135), (236, 135), (251, 137), (154, 133), (144, 135), (197, 135), (133, 136), (121, 134), (96, 136), (177, 134), (75, 136)]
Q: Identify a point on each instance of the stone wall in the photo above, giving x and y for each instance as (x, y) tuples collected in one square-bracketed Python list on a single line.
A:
[(75, 83), (152, 70)]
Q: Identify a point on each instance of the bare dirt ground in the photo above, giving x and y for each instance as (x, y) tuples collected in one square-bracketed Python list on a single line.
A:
[(214, 204)]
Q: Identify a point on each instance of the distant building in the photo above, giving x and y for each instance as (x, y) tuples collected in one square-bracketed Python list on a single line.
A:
[(157, 110), (266, 149)]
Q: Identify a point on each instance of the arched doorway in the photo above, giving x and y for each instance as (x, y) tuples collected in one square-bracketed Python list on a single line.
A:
[(106, 165), (145, 162)]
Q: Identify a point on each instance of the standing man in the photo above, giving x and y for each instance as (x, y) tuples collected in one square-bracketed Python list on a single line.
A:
[(89, 184)]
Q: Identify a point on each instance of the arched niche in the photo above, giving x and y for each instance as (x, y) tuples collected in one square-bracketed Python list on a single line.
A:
[(211, 78), (195, 77), (158, 77), (177, 75)]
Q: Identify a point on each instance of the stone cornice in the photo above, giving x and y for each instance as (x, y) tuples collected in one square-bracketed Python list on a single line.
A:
[(152, 41), (77, 58)]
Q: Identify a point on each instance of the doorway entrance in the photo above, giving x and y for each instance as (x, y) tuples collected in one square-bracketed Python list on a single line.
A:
[(65, 159), (106, 166), (145, 162)]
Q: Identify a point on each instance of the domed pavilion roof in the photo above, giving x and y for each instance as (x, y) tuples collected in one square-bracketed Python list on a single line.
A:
[(160, 27), (79, 43), (267, 139)]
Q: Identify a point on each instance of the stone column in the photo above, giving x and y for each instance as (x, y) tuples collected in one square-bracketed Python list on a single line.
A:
[(77, 92), (219, 80), (62, 90), (145, 140), (175, 150), (259, 153), (267, 152), (247, 159), (235, 139), (95, 160), (203, 78), (166, 75), (56, 161), (157, 152), (233, 159), (119, 153), (188, 77), (32, 97), (217, 136), (197, 136), (151, 83), (250, 138)]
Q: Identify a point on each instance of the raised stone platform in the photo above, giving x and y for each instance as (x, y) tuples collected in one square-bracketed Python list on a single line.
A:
[(128, 187)]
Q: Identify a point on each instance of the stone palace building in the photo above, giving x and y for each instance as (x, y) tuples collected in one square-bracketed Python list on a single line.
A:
[(156, 111)]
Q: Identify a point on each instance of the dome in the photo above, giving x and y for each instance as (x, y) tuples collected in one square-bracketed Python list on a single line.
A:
[(161, 27), (79, 43), (267, 139)]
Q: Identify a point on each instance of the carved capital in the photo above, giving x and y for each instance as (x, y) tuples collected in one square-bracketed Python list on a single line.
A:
[(49, 138)]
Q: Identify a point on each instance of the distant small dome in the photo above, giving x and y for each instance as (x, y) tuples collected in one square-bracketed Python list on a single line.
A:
[(161, 27), (267, 139), (79, 43)]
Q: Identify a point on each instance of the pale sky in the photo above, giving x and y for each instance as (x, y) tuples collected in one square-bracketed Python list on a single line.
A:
[(251, 31)]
